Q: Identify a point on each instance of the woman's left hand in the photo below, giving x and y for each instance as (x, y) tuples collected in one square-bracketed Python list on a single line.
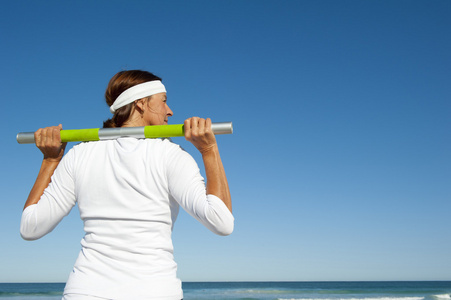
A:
[(48, 140), (198, 131)]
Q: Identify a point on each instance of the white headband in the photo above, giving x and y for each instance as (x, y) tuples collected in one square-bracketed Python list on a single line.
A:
[(137, 92)]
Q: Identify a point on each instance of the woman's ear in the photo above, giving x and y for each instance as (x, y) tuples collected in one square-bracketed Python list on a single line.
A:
[(140, 105)]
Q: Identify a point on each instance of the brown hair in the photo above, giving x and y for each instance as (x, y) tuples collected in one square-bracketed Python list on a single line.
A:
[(118, 84)]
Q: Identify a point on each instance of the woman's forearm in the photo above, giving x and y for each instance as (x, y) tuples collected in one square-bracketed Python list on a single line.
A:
[(48, 140), (198, 131), (42, 181), (216, 178)]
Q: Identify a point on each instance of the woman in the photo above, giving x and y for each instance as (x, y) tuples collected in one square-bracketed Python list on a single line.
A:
[(128, 191)]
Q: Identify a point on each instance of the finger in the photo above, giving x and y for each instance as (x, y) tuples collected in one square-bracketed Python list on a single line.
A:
[(187, 128), (38, 137), (59, 127), (208, 125), (49, 132), (201, 126), (56, 138), (50, 136), (44, 136), (195, 126)]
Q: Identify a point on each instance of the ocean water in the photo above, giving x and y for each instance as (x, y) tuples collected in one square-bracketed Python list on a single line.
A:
[(364, 290)]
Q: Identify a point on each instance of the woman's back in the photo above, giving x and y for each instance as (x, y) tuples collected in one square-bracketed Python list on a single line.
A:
[(123, 196)]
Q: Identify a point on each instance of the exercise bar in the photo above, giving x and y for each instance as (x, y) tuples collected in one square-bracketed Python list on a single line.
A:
[(97, 134)]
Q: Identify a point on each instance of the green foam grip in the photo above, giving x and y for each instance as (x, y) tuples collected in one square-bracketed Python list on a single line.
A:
[(158, 131), (75, 135)]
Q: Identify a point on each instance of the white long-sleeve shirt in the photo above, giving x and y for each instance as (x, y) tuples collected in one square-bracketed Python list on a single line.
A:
[(128, 192)]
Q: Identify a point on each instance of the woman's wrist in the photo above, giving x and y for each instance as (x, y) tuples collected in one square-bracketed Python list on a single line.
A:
[(209, 149), (50, 161)]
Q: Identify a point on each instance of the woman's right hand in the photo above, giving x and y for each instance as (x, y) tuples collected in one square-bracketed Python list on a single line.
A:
[(198, 131), (48, 140)]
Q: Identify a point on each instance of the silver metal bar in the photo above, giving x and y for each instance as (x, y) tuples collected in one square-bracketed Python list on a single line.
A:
[(115, 133), (222, 128), (25, 137)]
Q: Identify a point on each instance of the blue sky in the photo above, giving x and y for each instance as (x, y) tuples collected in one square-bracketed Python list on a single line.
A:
[(339, 165)]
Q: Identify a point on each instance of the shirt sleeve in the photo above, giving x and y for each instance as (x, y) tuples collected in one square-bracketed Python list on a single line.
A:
[(187, 187), (56, 203)]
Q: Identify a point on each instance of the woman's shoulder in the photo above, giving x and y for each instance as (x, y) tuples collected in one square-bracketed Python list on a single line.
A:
[(83, 146), (165, 145), (79, 150), (169, 149)]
